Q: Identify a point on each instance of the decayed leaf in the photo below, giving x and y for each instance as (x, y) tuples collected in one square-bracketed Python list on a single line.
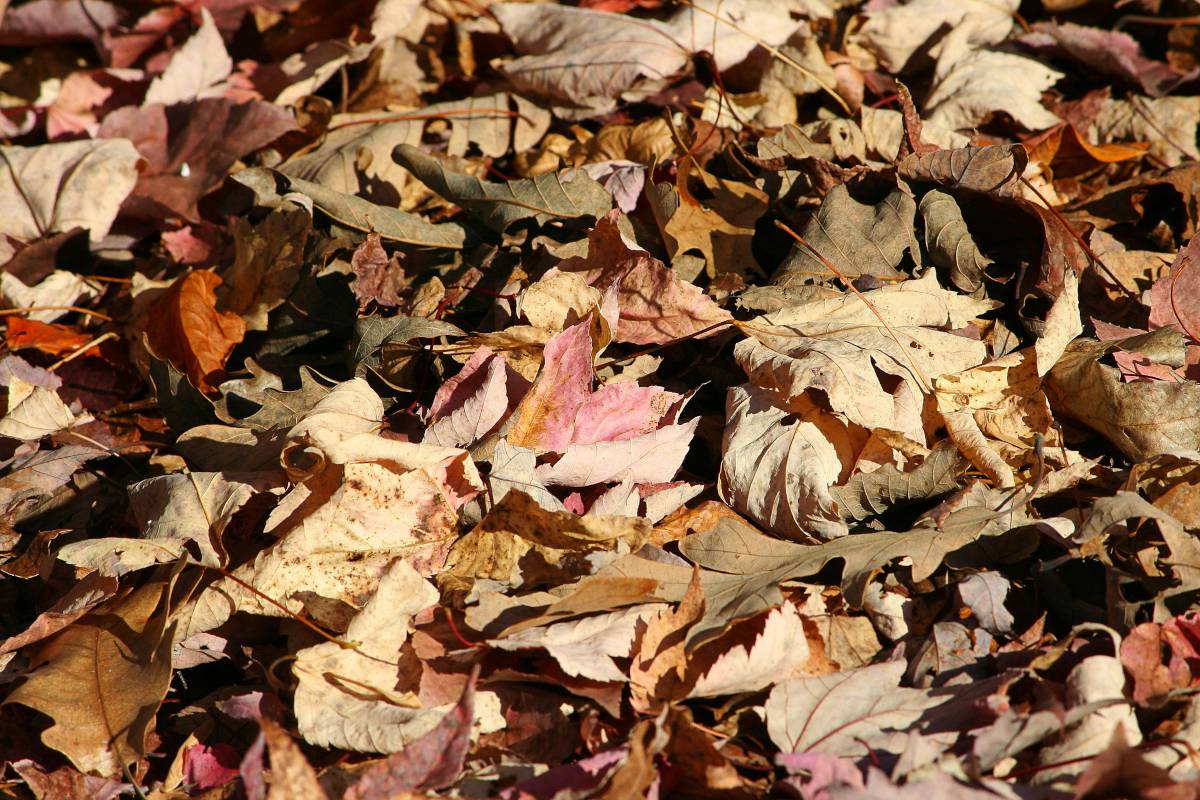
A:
[(837, 345), (846, 713), (857, 238), (101, 681), (656, 305), (1141, 419), (57, 187), (353, 697), (499, 205), (777, 464), (973, 86), (186, 328), (429, 763)]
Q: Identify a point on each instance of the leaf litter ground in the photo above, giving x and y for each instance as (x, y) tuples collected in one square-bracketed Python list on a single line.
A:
[(621, 399)]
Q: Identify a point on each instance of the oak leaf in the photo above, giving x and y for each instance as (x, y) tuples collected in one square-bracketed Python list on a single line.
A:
[(186, 328)]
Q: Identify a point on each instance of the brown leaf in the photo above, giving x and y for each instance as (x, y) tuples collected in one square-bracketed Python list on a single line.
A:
[(186, 328), (1141, 419), (995, 169), (857, 238), (101, 681)]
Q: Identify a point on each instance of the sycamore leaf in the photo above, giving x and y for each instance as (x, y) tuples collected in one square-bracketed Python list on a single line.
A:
[(499, 205), (846, 713), (57, 187)]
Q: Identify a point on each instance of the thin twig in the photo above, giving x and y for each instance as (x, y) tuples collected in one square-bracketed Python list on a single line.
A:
[(104, 337), (7, 312)]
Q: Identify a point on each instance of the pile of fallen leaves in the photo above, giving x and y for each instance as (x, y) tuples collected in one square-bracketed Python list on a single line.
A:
[(621, 399)]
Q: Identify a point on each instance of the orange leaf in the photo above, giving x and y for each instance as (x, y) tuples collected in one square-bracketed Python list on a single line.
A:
[(57, 340), (186, 328)]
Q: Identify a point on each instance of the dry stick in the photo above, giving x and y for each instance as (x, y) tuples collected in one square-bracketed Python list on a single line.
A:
[(928, 385), (1091, 254), (78, 310), (104, 337), (449, 113)]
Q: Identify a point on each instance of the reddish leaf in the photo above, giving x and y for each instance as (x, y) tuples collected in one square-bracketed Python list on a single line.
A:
[(429, 763)]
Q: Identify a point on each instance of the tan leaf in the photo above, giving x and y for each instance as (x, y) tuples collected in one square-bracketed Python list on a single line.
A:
[(57, 187), (186, 328), (560, 540), (34, 412), (779, 650), (656, 673), (355, 698)]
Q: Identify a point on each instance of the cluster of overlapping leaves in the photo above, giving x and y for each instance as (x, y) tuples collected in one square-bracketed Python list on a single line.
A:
[(620, 400)]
